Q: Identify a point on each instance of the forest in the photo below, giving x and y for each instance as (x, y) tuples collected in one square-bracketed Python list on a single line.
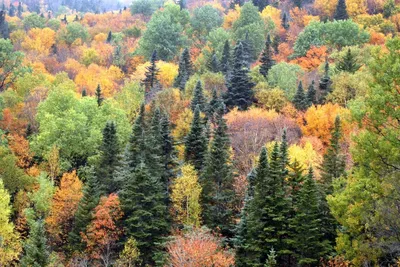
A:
[(200, 133)]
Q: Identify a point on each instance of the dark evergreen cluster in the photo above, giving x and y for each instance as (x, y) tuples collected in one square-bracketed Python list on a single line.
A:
[(266, 58), (151, 74), (185, 70), (225, 65), (325, 84), (348, 63), (261, 4), (4, 30), (341, 11)]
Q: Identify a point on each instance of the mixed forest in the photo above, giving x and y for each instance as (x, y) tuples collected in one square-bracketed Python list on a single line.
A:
[(200, 133)]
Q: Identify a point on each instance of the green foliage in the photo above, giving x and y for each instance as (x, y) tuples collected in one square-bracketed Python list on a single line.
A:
[(217, 39), (205, 19), (151, 73), (225, 64), (311, 96), (198, 98), (325, 84), (130, 98), (33, 20), (73, 32), (145, 7), (285, 77), (11, 62), (266, 58), (348, 63), (335, 34), (389, 8), (185, 70), (274, 99)]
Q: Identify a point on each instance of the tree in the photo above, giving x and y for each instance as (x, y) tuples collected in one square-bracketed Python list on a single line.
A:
[(213, 64), (389, 8), (348, 63), (169, 153), (261, 4), (266, 58), (285, 23), (198, 98), (240, 87), (185, 70), (151, 73), (217, 179), (99, 96), (185, 197), (109, 156), (285, 76), (298, 3), (145, 7), (311, 96), (341, 11), (196, 142), (325, 84), (20, 9), (204, 19), (225, 65), (130, 255), (11, 64), (11, 10), (109, 37), (4, 30), (299, 100), (10, 247)]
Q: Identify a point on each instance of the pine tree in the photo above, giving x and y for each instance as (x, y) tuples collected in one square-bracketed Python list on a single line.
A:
[(36, 249), (226, 60), (151, 73), (145, 213), (109, 37), (266, 58), (196, 142), (311, 95), (325, 84), (213, 64), (99, 96), (333, 165), (185, 70), (285, 22), (218, 195), (299, 100), (341, 11), (348, 63), (109, 151), (76, 19), (198, 98), (240, 87)]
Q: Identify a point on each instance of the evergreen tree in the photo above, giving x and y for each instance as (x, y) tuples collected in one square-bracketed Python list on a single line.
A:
[(198, 98), (29, 130), (299, 100), (213, 64), (226, 60), (151, 73), (99, 96), (298, 3), (341, 11), (348, 63), (109, 37), (145, 213), (185, 70), (284, 155), (311, 95), (4, 30), (84, 92), (218, 195), (240, 86), (261, 4), (325, 84), (109, 151), (196, 142), (136, 147), (11, 11), (20, 9), (285, 22), (36, 249), (241, 235), (215, 106), (333, 165), (168, 151), (76, 19), (266, 58), (247, 50), (389, 8), (182, 4)]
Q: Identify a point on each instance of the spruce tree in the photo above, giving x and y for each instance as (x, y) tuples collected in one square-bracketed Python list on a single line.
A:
[(84, 92), (298, 3), (99, 95), (109, 37), (169, 152), (198, 98), (20, 9), (348, 63), (311, 95), (241, 235), (341, 11), (266, 58), (76, 19), (145, 213), (151, 73), (36, 251), (109, 151), (213, 64), (4, 30), (196, 142), (136, 147), (240, 93), (185, 70), (261, 4), (247, 50), (11, 11), (218, 195), (225, 65), (299, 100), (285, 22), (216, 105), (182, 4), (325, 84)]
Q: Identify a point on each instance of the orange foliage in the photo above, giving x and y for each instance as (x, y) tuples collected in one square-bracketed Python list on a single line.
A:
[(198, 248), (285, 50), (39, 40), (313, 59), (299, 20), (377, 38), (103, 231), (20, 147), (64, 205), (11, 124)]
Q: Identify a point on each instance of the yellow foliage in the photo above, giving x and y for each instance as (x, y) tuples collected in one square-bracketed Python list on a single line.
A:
[(250, 115), (356, 7), (166, 76), (231, 17), (39, 40), (306, 156), (274, 14), (101, 37), (326, 7), (17, 37), (182, 128)]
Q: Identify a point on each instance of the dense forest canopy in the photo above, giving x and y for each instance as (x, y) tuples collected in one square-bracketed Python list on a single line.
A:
[(200, 133)]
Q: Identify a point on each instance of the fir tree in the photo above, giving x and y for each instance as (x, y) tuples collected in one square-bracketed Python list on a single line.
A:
[(311, 95), (241, 236), (4, 30), (266, 58), (341, 11), (348, 63), (299, 100), (109, 151), (151, 73), (109, 37), (216, 105), (64, 20), (137, 142), (298, 3), (325, 84), (225, 65), (198, 98), (240, 87), (284, 155), (76, 19), (168, 151), (145, 213), (11, 11), (99, 96), (84, 92), (185, 70), (261, 4), (182, 4), (36, 249), (196, 142), (20, 9), (247, 50), (218, 195), (285, 22), (213, 64)]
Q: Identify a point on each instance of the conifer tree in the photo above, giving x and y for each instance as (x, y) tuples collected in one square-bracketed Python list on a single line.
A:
[(218, 195), (226, 60), (216, 105), (240, 93), (247, 50), (196, 142), (198, 98), (311, 95), (168, 151), (99, 95), (137, 142), (182, 4), (266, 58), (284, 156), (84, 92), (213, 64), (348, 63), (36, 249), (241, 236), (298, 3), (109, 151), (341, 11), (285, 22), (151, 73), (261, 4), (76, 18), (109, 37), (20, 9), (4, 30), (325, 84), (145, 213), (11, 11), (185, 70), (299, 100)]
